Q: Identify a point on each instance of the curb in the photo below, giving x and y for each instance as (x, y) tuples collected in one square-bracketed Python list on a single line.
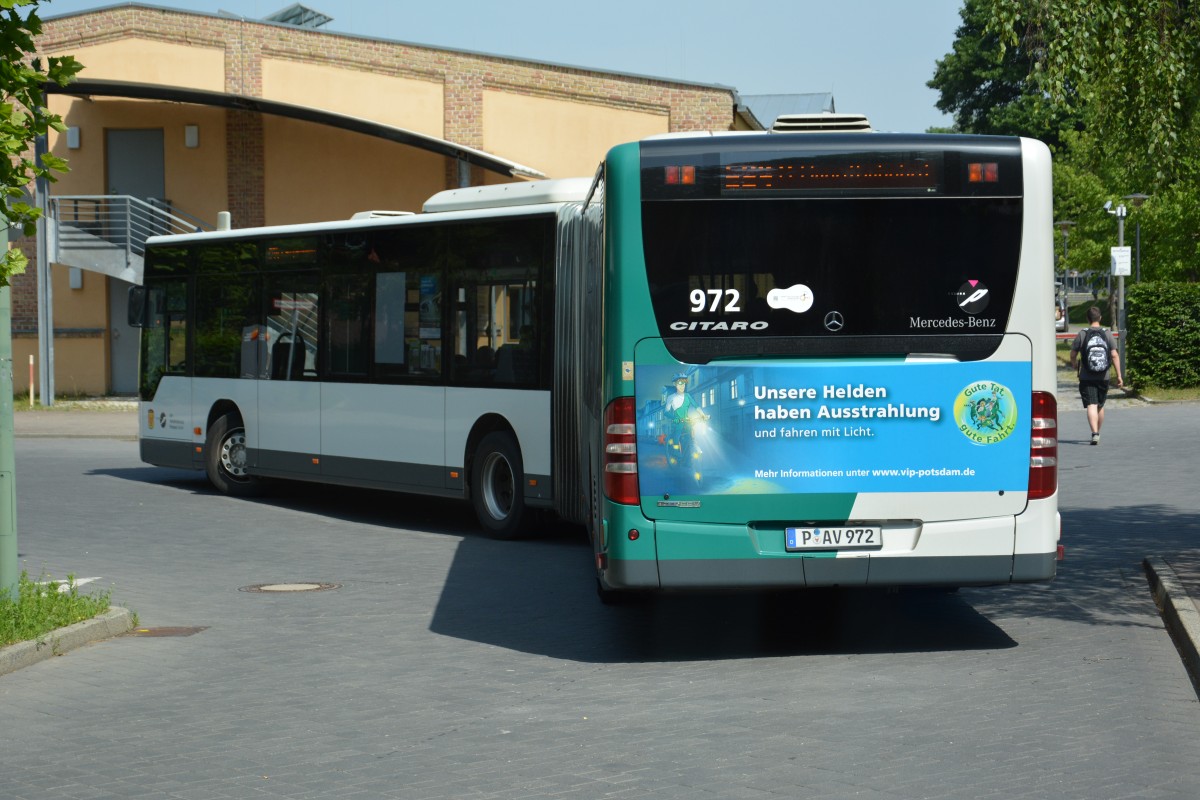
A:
[(1178, 612), (113, 622)]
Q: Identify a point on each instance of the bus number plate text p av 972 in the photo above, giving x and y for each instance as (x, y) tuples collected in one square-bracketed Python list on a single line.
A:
[(833, 538)]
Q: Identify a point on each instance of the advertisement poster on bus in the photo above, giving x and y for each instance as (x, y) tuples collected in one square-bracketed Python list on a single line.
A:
[(879, 427)]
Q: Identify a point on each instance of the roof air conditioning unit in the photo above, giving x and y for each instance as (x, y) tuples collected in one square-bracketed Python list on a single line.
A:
[(820, 123), (380, 214)]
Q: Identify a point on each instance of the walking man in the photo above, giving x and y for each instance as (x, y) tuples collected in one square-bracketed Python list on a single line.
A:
[(1092, 353)]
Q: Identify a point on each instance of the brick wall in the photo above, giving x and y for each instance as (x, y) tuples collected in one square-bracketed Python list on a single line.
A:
[(244, 147), (464, 75), (24, 292)]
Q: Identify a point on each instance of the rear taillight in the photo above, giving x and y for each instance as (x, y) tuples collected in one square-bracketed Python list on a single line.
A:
[(1043, 447), (620, 452)]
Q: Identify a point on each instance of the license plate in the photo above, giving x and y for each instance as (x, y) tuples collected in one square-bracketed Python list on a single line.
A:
[(834, 537)]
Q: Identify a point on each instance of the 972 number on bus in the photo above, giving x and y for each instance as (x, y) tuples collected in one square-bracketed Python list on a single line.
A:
[(712, 299)]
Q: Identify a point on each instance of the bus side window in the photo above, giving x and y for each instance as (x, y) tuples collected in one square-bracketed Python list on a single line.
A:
[(408, 324), (407, 331), (292, 318), (347, 331), (175, 322), (164, 337), (495, 270), (390, 297), (226, 316)]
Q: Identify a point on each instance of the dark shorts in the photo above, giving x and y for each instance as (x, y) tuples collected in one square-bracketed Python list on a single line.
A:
[(1093, 393)]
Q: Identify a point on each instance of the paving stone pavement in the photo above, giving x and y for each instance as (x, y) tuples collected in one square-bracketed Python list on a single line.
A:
[(447, 665)]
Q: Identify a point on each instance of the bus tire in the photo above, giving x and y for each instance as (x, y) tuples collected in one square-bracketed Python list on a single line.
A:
[(225, 458), (497, 483)]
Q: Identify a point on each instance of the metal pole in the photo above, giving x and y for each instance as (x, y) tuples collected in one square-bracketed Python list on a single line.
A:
[(1120, 320), (45, 289), (1137, 239), (8, 494)]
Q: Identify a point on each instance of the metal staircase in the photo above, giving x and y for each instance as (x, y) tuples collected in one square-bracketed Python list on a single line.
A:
[(108, 233)]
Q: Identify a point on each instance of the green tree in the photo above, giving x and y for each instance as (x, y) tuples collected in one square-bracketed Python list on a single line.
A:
[(989, 86), (1130, 68), (1115, 89), (23, 118), (1079, 195), (1170, 238)]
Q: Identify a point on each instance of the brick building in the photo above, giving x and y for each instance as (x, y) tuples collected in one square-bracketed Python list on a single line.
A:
[(278, 123)]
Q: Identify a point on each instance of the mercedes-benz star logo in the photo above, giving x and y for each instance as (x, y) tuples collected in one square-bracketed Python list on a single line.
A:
[(834, 321)]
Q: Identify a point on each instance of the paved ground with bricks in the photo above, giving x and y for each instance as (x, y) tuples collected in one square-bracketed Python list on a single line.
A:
[(446, 665)]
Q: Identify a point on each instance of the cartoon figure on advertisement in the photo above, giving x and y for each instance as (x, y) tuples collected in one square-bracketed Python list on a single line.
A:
[(986, 414), (688, 423)]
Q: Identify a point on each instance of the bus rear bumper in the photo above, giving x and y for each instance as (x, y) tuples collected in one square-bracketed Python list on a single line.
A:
[(808, 571), (977, 552)]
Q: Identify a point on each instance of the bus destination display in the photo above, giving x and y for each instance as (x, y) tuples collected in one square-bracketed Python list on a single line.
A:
[(859, 171)]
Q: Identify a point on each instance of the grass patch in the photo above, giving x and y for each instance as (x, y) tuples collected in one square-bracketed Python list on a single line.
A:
[(1077, 314), (1169, 395), (43, 606), (71, 403)]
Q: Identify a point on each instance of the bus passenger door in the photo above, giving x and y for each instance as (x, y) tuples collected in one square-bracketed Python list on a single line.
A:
[(289, 400)]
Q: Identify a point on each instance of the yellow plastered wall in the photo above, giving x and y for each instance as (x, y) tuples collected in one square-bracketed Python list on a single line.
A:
[(194, 177), (563, 139), (415, 105), (152, 61), (81, 355), (307, 165)]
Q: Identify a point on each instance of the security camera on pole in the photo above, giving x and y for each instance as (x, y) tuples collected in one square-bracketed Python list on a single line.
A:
[(1121, 262)]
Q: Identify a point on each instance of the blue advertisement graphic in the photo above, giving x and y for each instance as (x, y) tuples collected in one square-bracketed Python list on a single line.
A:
[(870, 427)]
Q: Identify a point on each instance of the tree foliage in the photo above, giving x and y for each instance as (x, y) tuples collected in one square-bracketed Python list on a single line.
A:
[(1170, 234), (1131, 69), (1078, 198), (1114, 88), (990, 87), (24, 117)]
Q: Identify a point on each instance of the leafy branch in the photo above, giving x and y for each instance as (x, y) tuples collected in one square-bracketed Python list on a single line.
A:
[(23, 118)]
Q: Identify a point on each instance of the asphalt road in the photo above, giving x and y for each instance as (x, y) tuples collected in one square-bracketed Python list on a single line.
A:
[(446, 665)]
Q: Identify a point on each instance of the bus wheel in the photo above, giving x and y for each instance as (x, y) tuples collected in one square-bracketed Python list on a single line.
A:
[(497, 480), (225, 458)]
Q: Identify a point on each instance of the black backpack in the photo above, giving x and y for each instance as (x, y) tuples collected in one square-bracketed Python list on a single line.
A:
[(1096, 352)]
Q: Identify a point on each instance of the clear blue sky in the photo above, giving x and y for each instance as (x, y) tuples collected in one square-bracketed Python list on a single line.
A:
[(874, 55)]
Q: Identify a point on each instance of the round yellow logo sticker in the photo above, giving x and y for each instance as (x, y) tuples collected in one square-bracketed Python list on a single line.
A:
[(986, 412)]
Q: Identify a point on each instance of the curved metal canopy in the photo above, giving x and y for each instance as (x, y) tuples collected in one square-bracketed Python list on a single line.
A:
[(178, 94)]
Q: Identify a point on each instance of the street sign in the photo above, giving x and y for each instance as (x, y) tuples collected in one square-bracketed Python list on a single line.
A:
[(1121, 260)]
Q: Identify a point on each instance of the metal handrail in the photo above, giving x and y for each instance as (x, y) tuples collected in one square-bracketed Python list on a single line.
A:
[(121, 220)]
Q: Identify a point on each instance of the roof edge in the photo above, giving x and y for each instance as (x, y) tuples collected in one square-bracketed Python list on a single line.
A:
[(239, 102)]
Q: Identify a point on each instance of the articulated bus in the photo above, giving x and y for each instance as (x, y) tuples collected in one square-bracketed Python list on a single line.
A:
[(740, 360)]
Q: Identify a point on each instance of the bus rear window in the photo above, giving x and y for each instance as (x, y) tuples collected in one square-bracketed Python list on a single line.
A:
[(833, 268)]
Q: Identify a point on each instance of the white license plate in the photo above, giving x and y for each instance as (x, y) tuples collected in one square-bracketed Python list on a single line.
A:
[(834, 537)]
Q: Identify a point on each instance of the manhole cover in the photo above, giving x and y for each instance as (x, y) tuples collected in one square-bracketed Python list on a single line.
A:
[(290, 587)]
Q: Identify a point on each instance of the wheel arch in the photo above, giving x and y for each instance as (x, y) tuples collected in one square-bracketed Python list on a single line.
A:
[(488, 423), (219, 409)]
